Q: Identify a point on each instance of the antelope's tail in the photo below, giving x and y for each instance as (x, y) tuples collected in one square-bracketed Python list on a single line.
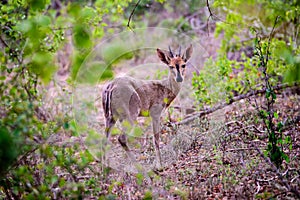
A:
[(106, 101)]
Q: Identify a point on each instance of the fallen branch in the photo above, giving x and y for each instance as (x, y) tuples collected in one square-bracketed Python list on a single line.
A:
[(295, 178), (239, 149), (234, 99), (258, 188)]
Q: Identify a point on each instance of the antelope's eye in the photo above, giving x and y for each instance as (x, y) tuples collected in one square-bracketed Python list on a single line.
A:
[(183, 66), (172, 67)]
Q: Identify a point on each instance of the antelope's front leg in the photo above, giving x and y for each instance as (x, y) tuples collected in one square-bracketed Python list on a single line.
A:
[(155, 113)]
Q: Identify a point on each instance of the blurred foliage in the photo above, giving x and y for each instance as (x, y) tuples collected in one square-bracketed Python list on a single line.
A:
[(225, 77), (34, 164), (32, 33), (253, 57)]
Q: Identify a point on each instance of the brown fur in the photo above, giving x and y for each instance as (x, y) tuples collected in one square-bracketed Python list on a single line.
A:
[(126, 98)]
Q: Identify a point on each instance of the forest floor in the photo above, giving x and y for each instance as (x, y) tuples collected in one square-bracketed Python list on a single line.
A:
[(217, 156)]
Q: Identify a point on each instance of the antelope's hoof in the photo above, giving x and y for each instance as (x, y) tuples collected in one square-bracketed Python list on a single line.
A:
[(158, 168)]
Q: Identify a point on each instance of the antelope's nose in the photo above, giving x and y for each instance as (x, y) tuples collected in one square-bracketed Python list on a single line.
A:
[(179, 78)]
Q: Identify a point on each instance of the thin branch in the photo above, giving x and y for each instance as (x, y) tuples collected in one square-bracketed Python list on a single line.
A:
[(258, 188), (131, 15), (239, 149), (295, 178), (62, 28), (4, 43), (243, 126), (210, 15), (265, 180), (234, 99), (270, 37)]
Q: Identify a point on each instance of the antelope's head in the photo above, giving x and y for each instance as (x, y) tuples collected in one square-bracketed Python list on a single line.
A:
[(177, 62)]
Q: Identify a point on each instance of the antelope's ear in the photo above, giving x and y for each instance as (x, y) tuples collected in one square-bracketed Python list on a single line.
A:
[(163, 57), (188, 53)]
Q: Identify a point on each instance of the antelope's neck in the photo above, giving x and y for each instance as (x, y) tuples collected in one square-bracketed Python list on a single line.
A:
[(172, 85)]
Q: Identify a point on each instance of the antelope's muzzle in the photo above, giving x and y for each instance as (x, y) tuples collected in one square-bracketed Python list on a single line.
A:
[(179, 78)]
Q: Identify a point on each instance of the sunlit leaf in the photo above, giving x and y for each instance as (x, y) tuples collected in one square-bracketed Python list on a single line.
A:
[(82, 36)]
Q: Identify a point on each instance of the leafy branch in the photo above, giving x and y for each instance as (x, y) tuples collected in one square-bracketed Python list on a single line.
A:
[(268, 114)]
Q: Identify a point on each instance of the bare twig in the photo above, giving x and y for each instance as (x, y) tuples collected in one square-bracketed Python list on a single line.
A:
[(270, 37), (210, 15), (295, 178), (258, 188), (11, 49), (131, 15), (239, 149), (266, 180), (243, 126)]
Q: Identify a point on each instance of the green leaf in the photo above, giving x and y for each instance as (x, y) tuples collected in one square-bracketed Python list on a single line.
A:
[(82, 36), (268, 93), (8, 150), (87, 13), (275, 115), (24, 26), (43, 20), (286, 157), (279, 125), (42, 65), (93, 72), (74, 9), (66, 125), (137, 132), (107, 74), (140, 178), (148, 195), (37, 4), (273, 95)]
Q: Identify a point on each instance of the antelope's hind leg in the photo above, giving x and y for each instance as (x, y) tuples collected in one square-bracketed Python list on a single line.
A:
[(130, 111), (109, 123), (123, 139)]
